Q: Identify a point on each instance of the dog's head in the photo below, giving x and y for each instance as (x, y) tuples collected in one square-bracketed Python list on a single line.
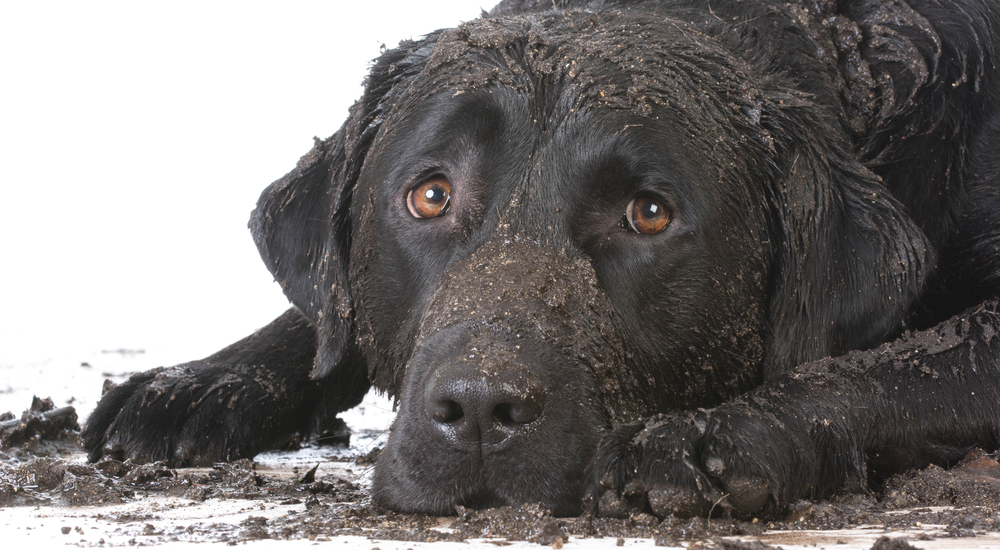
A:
[(531, 228)]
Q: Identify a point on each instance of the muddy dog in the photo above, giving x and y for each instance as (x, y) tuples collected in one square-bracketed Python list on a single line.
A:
[(675, 256)]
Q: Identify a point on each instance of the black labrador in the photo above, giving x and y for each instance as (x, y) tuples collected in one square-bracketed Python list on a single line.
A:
[(675, 256)]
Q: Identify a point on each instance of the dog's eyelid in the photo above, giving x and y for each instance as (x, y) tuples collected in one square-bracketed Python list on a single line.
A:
[(413, 178)]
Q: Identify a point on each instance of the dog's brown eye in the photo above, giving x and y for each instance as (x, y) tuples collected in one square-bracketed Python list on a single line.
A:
[(430, 198), (647, 215)]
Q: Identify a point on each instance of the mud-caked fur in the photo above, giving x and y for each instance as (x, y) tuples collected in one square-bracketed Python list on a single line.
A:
[(820, 310)]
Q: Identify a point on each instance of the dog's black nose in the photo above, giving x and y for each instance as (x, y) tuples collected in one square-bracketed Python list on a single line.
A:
[(472, 402)]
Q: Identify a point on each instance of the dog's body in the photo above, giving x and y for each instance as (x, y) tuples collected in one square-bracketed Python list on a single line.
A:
[(549, 232)]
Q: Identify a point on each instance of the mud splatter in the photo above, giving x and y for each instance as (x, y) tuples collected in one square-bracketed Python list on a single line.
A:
[(959, 502), (41, 421)]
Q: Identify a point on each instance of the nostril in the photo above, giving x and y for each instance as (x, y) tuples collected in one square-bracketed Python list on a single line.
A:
[(447, 412), (521, 412), (501, 413)]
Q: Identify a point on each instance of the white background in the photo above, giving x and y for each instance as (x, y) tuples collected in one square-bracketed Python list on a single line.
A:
[(135, 138)]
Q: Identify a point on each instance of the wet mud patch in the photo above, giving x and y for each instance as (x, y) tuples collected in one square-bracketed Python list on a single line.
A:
[(41, 423), (41, 465), (956, 503), (50, 481), (934, 503)]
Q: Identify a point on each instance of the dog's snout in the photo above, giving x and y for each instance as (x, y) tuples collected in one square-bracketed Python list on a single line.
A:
[(498, 402), (470, 403)]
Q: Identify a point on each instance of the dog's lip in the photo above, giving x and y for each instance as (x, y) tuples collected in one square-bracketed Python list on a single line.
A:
[(479, 495)]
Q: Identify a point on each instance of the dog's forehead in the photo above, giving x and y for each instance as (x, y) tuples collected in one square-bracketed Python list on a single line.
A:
[(616, 64), (615, 59)]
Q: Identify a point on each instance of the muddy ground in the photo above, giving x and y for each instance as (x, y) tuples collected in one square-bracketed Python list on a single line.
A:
[(42, 466)]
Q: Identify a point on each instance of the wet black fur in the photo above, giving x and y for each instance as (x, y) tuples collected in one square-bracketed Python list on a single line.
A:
[(823, 303)]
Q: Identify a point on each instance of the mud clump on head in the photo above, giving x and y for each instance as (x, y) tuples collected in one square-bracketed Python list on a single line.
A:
[(512, 283), (616, 59)]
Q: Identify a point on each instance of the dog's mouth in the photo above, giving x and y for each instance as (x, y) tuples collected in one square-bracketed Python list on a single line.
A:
[(487, 419), (484, 498)]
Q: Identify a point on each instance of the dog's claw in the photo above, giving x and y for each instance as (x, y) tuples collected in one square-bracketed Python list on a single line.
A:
[(610, 505), (679, 502), (715, 467), (747, 495)]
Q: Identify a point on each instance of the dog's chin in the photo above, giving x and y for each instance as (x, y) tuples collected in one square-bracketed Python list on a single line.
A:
[(397, 491)]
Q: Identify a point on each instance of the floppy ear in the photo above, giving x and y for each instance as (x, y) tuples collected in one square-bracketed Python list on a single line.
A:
[(851, 262), (302, 221)]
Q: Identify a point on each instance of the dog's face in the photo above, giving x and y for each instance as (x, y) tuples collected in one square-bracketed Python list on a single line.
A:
[(542, 227), (495, 256), (531, 267)]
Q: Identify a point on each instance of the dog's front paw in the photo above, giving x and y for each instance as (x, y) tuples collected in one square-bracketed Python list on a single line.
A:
[(195, 414), (702, 463)]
